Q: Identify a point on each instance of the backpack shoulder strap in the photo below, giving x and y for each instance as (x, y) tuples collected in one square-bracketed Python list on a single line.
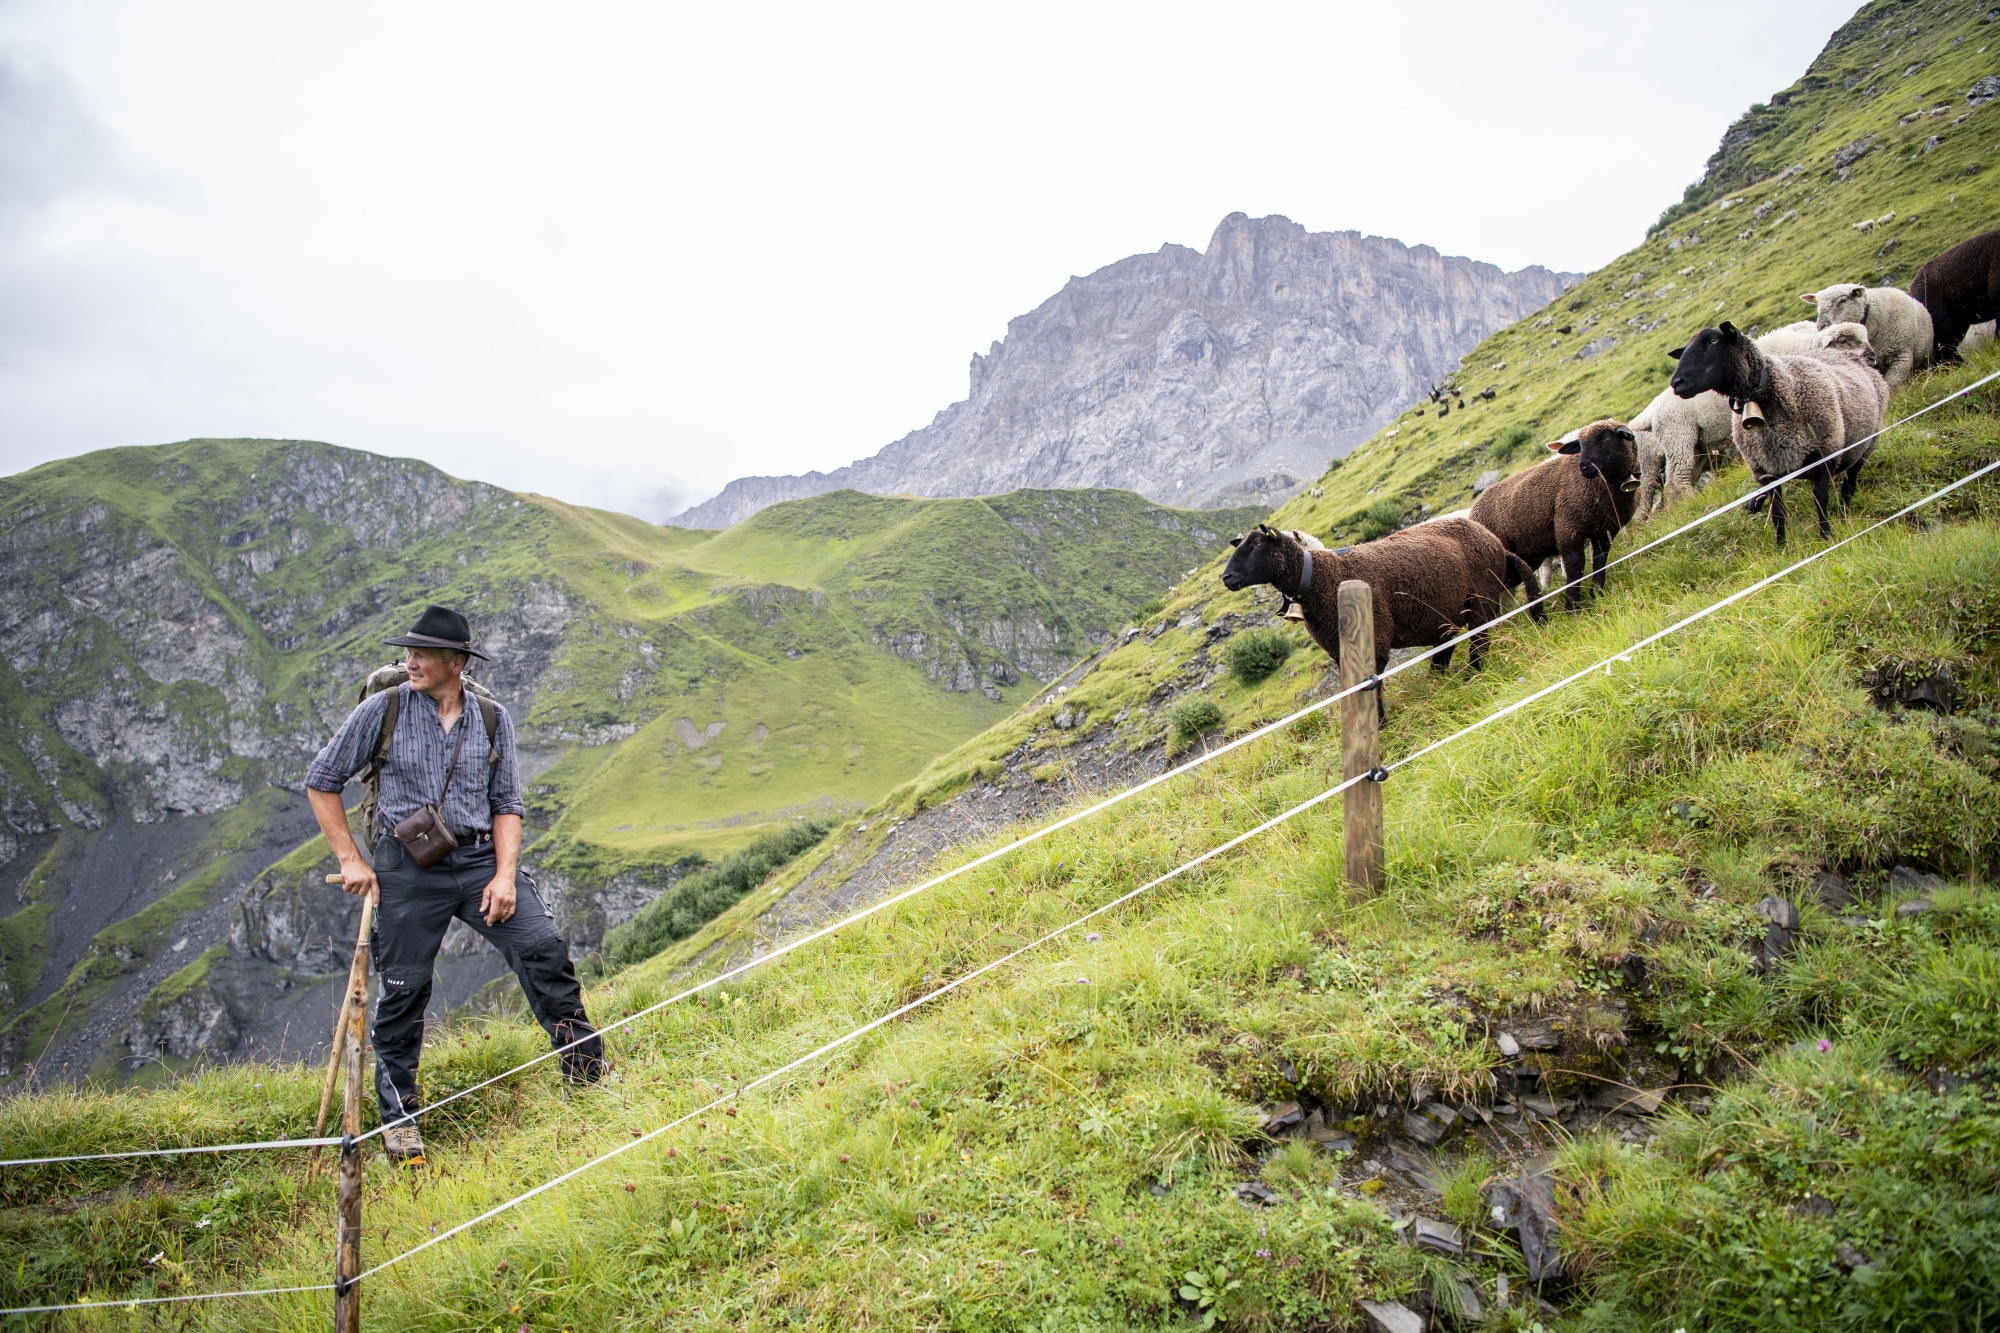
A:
[(489, 713), (390, 711)]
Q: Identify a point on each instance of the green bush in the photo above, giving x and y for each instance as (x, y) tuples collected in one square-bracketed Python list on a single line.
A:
[(1512, 440), (704, 895), (1194, 716), (1256, 653), (1383, 517)]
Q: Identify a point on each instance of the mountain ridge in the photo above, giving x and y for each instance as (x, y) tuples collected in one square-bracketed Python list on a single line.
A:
[(1193, 377)]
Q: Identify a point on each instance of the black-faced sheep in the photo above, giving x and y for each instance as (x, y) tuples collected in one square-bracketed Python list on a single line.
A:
[(1813, 406), (1583, 496), (1429, 583), (1899, 328), (1960, 288)]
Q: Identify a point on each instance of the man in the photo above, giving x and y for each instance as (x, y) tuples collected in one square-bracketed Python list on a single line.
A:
[(438, 756)]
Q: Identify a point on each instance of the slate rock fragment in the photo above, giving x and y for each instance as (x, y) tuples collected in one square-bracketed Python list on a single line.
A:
[(1522, 1204)]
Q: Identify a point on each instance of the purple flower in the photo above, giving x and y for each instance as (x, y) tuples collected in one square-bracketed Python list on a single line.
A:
[(1824, 1045), (1092, 938), (1083, 981), (1263, 1254)]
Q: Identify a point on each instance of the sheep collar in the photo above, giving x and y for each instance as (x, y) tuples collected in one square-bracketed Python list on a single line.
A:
[(1305, 578)]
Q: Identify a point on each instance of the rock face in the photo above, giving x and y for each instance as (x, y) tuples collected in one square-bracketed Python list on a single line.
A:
[(1229, 376)]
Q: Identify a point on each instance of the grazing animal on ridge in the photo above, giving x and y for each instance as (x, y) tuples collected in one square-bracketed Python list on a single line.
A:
[(1960, 288), (1814, 406), (1899, 328), (1428, 583), (1583, 496)]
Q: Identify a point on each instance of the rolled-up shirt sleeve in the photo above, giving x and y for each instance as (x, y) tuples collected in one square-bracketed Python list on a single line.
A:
[(351, 747), (504, 792)]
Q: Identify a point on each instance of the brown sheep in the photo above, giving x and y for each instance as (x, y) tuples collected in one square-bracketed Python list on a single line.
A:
[(1559, 505), (1960, 288), (1429, 582)]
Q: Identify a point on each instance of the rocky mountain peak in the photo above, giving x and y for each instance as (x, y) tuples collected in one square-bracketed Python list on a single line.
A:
[(1226, 376)]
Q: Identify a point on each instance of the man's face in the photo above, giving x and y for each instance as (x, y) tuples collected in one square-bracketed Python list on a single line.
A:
[(430, 667)]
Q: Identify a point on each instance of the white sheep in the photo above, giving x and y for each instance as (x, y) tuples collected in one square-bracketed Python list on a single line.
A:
[(1899, 328), (1791, 340), (1682, 438)]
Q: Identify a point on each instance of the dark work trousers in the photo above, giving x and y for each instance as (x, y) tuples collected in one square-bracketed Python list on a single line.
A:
[(416, 907)]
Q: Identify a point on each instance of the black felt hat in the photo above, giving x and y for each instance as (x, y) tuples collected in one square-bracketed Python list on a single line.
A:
[(440, 627)]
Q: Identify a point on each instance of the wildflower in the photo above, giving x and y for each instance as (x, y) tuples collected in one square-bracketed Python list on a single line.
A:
[(1083, 981), (1263, 1254), (1092, 938), (1824, 1045)]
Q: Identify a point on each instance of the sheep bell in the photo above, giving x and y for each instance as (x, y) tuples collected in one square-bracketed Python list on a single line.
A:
[(1753, 416)]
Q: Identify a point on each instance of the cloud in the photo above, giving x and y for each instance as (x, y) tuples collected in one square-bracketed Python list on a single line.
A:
[(622, 253)]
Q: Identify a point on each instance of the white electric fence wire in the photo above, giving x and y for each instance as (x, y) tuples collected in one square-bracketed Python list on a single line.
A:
[(135, 1301), (173, 1152), (1604, 664), (1129, 792), (1237, 841)]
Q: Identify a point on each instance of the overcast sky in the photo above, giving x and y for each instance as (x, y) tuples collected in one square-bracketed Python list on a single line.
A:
[(622, 253)]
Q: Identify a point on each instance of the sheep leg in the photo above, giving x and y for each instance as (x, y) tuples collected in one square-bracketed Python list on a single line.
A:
[(1847, 484), (1600, 552), (1821, 485), (1575, 570), (1778, 512), (1441, 659)]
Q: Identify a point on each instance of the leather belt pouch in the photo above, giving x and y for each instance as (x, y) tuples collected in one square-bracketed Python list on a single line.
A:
[(425, 837)]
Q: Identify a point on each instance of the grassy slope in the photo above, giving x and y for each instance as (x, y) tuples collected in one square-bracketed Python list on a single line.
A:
[(989, 1161), (994, 1156)]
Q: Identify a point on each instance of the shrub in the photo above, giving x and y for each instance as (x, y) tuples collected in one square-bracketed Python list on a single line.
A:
[(704, 895), (1383, 517), (1194, 716), (1255, 654), (1512, 440)]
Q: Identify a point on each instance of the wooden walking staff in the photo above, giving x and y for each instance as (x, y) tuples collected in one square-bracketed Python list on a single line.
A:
[(348, 1036), (1361, 804)]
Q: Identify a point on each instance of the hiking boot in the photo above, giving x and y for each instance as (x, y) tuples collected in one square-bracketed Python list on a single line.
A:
[(584, 1064), (404, 1145)]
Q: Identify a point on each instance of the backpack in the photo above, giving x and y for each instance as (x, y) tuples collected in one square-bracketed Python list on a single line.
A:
[(390, 678)]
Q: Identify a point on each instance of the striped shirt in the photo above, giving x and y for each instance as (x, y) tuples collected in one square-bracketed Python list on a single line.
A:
[(419, 754)]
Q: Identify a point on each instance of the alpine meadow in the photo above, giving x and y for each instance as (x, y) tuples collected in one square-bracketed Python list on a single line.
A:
[(1680, 1009)]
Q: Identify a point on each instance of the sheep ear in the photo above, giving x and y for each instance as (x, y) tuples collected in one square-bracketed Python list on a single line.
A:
[(1810, 298), (1676, 353), (1566, 446), (1235, 541), (1625, 432), (1728, 329)]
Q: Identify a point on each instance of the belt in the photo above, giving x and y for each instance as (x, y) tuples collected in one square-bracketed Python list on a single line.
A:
[(472, 837)]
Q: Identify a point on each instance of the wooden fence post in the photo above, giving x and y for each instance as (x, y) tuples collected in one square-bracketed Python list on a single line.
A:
[(347, 1249), (1361, 804)]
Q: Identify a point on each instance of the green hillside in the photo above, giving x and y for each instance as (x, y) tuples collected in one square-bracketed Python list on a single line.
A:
[(1571, 974), (187, 623)]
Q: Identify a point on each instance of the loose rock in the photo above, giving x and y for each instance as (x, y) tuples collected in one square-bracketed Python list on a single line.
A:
[(1522, 1205), (1391, 1317), (1440, 1236), (1832, 891)]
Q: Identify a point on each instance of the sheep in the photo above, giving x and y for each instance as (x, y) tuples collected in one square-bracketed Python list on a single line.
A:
[(1691, 436), (1852, 339), (1812, 405), (1428, 583), (1899, 328), (1557, 506), (1790, 340), (1287, 608), (1960, 288)]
